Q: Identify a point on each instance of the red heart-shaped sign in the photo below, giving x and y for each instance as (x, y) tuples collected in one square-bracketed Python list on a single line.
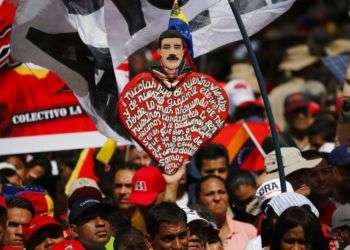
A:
[(171, 124)]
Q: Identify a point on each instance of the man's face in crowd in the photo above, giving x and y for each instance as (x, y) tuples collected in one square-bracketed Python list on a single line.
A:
[(245, 194), (93, 229), (214, 196), (35, 172), (17, 218), (140, 157), (320, 179), (171, 52), (18, 163), (216, 167), (300, 119), (123, 187), (171, 237)]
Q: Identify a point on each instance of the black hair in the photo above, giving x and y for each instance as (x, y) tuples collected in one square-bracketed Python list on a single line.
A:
[(204, 179), (303, 217), (170, 33), (67, 158), (204, 231), (247, 112), (312, 154), (126, 166), (210, 152), (49, 231), (325, 126), (267, 225), (164, 212), (17, 202), (131, 239), (106, 172), (41, 161), (240, 178)]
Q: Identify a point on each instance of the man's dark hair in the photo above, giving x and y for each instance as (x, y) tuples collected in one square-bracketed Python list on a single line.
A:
[(41, 161), (240, 178), (131, 239), (169, 34), (126, 166), (17, 202), (210, 152), (48, 231), (204, 179), (164, 212), (325, 126)]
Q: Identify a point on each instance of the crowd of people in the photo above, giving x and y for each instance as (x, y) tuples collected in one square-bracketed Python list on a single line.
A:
[(205, 205)]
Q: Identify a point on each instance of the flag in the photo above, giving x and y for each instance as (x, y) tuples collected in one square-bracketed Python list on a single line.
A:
[(242, 151), (69, 38), (84, 42), (7, 15), (85, 167), (178, 21), (39, 113)]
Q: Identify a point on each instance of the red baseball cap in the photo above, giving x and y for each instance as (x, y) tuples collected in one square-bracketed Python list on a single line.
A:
[(147, 183), (37, 223), (295, 101), (68, 245)]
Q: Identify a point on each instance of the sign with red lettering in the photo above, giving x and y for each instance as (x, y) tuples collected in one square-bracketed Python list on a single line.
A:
[(171, 124)]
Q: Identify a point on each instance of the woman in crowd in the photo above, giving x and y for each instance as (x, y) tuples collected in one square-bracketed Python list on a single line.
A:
[(212, 193), (299, 229)]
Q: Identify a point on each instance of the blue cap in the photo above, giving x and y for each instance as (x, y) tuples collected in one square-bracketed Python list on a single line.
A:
[(340, 156)]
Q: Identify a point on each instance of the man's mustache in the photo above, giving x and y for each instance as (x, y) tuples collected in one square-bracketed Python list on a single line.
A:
[(172, 57)]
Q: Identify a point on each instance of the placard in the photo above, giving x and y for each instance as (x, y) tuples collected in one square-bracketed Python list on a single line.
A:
[(171, 124)]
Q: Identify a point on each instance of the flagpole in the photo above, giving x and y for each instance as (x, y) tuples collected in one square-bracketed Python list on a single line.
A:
[(263, 91)]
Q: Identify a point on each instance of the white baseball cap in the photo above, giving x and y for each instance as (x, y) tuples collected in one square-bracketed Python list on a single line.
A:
[(270, 189), (284, 201), (6, 165)]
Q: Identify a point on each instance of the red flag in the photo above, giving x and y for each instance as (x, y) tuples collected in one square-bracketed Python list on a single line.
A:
[(241, 149)]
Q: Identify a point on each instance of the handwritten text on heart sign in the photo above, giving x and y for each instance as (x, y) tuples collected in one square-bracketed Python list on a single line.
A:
[(172, 124)]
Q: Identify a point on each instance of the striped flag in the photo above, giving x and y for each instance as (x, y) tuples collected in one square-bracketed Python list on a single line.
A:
[(178, 21), (241, 149), (84, 42), (85, 167)]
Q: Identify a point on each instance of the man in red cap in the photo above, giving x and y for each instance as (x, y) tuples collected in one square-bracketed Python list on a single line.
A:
[(299, 118), (148, 188), (42, 232)]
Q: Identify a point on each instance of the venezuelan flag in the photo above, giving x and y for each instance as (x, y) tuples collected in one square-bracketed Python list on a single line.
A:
[(86, 163), (178, 21), (241, 150)]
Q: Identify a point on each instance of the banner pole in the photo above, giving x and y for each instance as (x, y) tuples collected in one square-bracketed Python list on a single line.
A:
[(263, 91)]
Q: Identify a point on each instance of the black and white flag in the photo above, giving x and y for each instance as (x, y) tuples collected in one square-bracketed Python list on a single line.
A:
[(85, 40)]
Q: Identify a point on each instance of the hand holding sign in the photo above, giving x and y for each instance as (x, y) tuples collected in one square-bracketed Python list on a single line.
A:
[(171, 124)]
